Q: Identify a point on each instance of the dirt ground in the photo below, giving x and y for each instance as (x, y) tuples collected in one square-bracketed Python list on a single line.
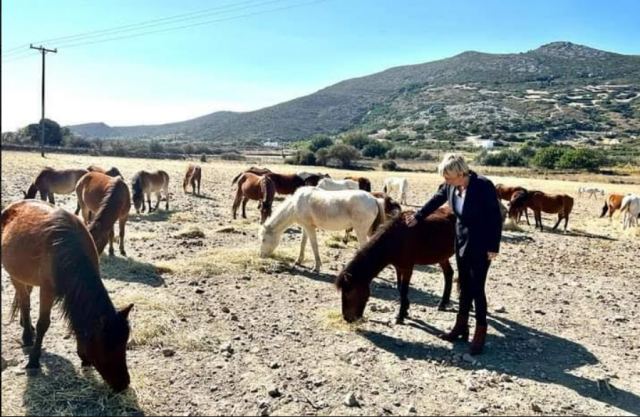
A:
[(217, 330)]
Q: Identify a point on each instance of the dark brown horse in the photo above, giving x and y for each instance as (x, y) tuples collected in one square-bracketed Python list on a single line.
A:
[(506, 193), (286, 183), (144, 182), (391, 206), (539, 202), (363, 182), (192, 176), (47, 247), (49, 181), (430, 241), (254, 187), (112, 172), (253, 170), (106, 199), (611, 204)]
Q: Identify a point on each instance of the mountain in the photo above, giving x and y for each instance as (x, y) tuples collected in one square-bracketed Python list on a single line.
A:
[(396, 95)]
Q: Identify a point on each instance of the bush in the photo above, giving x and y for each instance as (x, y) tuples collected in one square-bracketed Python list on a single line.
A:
[(232, 156), (155, 147), (376, 149), (389, 165), (357, 139), (305, 157), (580, 159), (547, 157), (319, 142), (203, 157), (322, 155), (506, 158), (404, 153), (343, 153)]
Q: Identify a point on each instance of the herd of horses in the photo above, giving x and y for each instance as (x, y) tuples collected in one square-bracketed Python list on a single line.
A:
[(53, 249)]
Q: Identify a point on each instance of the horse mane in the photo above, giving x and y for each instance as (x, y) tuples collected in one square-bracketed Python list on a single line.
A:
[(136, 184), (520, 198), (76, 277), (106, 215), (281, 214)]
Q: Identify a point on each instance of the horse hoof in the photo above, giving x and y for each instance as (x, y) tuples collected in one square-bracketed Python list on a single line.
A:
[(399, 320), (442, 307)]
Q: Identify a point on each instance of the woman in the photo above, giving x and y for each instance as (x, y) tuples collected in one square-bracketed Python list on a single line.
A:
[(478, 230)]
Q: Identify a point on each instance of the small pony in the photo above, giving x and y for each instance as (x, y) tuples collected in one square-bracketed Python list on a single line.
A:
[(507, 193), (107, 200), (612, 203), (630, 208), (313, 208), (192, 176), (254, 187), (430, 241), (48, 247), (112, 172), (144, 182), (49, 181), (398, 185), (539, 202)]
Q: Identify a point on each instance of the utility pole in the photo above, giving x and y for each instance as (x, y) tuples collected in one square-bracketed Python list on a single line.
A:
[(44, 51)]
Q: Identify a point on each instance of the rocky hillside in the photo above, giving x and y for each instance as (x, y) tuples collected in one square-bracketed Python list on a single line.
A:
[(538, 83)]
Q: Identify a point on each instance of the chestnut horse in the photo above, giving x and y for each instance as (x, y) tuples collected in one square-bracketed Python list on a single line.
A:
[(430, 241), (539, 202), (144, 182), (253, 170), (50, 248), (192, 176), (112, 172), (363, 182), (506, 193), (611, 204), (49, 181), (254, 187), (106, 199)]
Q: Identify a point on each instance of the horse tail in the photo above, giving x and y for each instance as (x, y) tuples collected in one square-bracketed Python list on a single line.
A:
[(605, 208), (380, 217), (235, 179), (625, 205)]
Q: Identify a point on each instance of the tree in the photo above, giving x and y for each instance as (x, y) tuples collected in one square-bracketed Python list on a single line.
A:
[(375, 149), (343, 153), (580, 159), (52, 132), (356, 139), (547, 157), (319, 142)]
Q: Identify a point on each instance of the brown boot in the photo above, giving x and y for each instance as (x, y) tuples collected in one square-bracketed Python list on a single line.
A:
[(477, 344), (460, 329)]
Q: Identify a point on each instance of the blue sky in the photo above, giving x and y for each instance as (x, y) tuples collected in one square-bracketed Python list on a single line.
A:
[(242, 63)]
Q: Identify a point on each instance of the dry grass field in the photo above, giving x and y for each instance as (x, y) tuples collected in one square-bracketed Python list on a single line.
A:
[(217, 330)]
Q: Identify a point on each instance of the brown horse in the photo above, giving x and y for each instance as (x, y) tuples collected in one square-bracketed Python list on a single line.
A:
[(49, 181), (50, 248), (506, 193), (391, 206), (539, 202), (254, 187), (363, 182), (253, 170), (192, 176), (430, 241), (107, 200), (611, 204), (112, 172), (144, 182)]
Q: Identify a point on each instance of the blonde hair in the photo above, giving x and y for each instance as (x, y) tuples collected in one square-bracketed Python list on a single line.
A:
[(453, 163)]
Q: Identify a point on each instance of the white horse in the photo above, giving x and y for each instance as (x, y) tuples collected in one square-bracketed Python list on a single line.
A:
[(398, 185), (631, 208), (592, 191), (313, 208), (330, 184)]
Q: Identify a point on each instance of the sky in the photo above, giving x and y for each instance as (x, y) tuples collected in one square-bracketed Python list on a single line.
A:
[(130, 62)]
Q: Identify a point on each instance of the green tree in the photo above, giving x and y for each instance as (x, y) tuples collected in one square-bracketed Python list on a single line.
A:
[(319, 142), (580, 159), (376, 149), (547, 157), (53, 134), (356, 139), (343, 153)]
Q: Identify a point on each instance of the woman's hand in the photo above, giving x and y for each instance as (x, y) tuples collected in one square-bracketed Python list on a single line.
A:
[(411, 220), (491, 255)]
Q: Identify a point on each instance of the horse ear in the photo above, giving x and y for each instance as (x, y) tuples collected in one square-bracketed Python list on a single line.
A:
[(125, 311)]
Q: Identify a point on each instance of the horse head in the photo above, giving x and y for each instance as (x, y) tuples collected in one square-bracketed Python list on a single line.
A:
[(269, 240), (355, 295), (106, 348), (265, 210)]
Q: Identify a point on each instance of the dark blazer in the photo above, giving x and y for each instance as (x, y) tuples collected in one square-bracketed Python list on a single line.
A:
[(479, 228)]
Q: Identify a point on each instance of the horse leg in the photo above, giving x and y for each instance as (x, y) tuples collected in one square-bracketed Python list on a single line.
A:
[(158, 197), (199, 186), (84, 361), (43, 195), (111, 251), (51, 199), (77, 208), (566, 220), (447, 270), (23, 302), (362, 237), (558, 222), (526, 216), (122, 222), (245, 200), (166, 193), (303, 246), (311, 234), (44, 319), (403, 277)]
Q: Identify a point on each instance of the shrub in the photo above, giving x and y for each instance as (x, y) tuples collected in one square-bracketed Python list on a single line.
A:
[(375, 149), (343, 153), (403, 153), (319, 142), (580, 159), (232, 156), (203, 157), (389, 165), (547, 157), (356, 139)]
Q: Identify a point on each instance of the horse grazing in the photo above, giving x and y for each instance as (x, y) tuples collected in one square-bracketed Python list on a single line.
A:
[(49, 181), (330, 184), (397, 185), (253, 170), (313, 208), (591, 191), (106, 199), (363, 182), (506, 193), (112, 172), (630, 208), (391, 206), (50, 248), (430, 241), (144, 182), (612, 203), (254, 187), (311, 178), (192, 176), (539, 202)]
